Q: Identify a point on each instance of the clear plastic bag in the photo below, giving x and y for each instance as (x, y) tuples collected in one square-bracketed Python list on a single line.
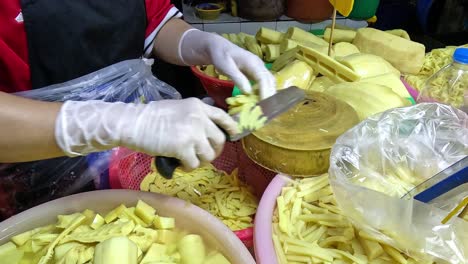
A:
[(375, 163), (126, 81), (23, 185), (449, 201)]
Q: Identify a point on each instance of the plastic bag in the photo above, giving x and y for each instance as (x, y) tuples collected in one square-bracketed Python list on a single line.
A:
[(126, 81), (375, 163), (450, 200), (23, 185)]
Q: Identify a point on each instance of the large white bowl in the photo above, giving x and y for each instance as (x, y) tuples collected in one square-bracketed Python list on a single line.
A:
[(188, 217)]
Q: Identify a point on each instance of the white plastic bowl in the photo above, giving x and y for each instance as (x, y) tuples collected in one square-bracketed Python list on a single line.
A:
[(188, 217), (263, 243)]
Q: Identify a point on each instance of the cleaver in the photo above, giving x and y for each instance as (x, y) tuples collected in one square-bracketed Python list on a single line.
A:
[(271, 107)]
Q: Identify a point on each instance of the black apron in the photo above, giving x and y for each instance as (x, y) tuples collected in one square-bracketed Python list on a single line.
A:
[(68, 39)]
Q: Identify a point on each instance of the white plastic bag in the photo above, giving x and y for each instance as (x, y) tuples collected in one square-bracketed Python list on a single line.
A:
[(375, 163)]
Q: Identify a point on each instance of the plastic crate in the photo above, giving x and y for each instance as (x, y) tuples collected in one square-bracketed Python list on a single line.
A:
[(128, 168)]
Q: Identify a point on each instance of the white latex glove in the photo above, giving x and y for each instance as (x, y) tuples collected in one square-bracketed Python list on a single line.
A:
[(202, 48), (184, 129)]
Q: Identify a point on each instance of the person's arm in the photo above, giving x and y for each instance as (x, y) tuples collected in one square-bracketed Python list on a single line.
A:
[(167, 41), (179, 43), (184, 129), (27, 129)]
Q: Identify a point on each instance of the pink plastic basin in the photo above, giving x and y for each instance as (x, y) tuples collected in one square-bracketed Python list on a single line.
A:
[(412, 91), (263, 243)]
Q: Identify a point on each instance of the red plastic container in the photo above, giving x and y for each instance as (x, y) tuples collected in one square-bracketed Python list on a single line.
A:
[(217, 89), (128, 168)]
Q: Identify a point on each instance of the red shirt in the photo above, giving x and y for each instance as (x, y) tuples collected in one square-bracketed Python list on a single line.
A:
[(14, 66)]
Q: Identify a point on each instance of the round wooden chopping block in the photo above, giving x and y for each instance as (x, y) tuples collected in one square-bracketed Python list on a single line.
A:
[(298, 142)]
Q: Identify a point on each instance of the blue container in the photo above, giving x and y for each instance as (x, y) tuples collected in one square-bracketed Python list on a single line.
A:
[(423, 8)]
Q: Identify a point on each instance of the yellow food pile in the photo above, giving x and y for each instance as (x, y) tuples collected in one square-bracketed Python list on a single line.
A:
[(454, 94), (124, 235), (250, 115), (374, 73), (219, 193), (447, 86), (433, 62), (308, 227), (238, 103), (210, 70)]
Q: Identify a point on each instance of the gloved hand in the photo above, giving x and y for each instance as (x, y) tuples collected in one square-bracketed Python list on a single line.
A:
[(184, 129), (202, 48)]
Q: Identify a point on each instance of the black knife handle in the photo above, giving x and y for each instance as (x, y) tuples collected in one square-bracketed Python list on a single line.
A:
[(166, 166), (228, 137)]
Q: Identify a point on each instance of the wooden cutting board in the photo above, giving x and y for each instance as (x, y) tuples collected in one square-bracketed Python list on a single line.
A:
[(298, 142)]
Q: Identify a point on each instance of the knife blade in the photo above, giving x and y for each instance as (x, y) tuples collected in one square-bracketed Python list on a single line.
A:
[(271, 107)]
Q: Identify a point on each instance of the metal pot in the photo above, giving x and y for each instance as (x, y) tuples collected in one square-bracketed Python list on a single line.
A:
[(261, 10)]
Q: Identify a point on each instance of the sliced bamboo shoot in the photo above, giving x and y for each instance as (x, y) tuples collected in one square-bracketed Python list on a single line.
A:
[(269, 36), (339, 35), (272, 52), (300, 35)]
